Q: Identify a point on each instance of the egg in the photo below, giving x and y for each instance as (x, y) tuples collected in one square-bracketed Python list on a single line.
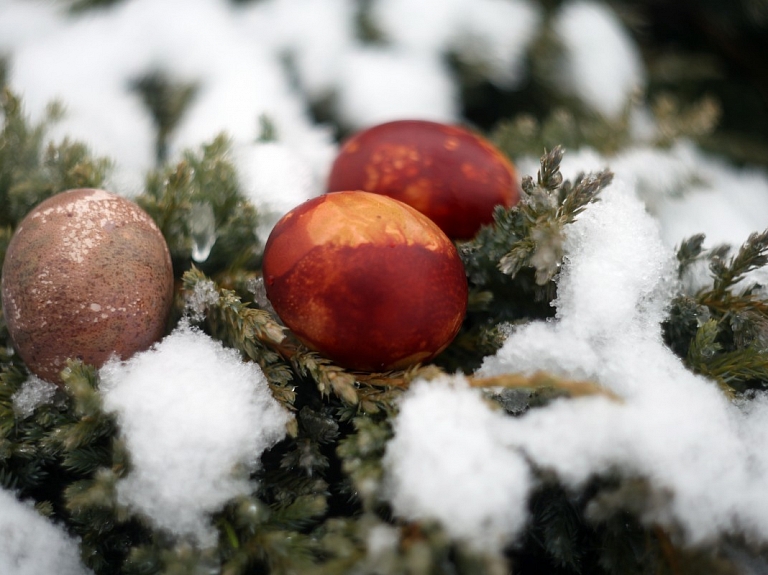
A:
[(365, 280), (87, 275), (453, 176)]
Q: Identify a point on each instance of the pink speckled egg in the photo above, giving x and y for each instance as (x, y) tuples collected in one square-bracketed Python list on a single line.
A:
[(87, 275)]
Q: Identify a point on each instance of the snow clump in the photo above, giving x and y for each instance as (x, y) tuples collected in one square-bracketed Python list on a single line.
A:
[(193, 416), (700, 453), (31, 545), (448, 462)]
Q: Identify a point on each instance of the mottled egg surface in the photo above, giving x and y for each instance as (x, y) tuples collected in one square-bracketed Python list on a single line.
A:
[(453, 176), (87, 275), (365, 280)]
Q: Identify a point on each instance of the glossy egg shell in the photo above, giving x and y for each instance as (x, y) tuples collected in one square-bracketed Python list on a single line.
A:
[(453, 176), (87, 275), (365, 280)]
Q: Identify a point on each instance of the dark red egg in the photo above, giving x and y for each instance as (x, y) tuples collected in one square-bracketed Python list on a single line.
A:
[(87, 275), (453, 176), (365, 280)]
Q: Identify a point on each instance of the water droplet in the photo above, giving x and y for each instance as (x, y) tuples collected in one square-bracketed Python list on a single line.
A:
[(202, 228)]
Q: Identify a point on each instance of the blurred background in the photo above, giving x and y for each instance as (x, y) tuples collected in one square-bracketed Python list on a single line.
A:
[(673, 96)]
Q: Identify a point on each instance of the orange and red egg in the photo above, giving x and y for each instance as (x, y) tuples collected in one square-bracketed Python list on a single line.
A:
[(453, 176), (365, 280)]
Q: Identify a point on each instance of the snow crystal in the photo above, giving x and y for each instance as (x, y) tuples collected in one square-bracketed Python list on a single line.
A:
[(34, 392), (204, 295), (195, 419), (447, 462), (31, 545), (602, 64)]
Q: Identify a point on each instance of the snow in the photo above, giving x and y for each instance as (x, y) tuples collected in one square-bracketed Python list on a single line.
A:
[(493, 34), (602, 65), (275, 178), (379, 85), (700, 452), (33, 393), (88, 62), (687, 190), (31, 545), (447, 461), (452, 457), (200, 299), (194, 418)]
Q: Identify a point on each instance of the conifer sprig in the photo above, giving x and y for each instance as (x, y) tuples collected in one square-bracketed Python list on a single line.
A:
[(753, 254), (530, 234), (722, 331), (258, 335), (511, 265), (203, 215), (548, 205), (540, 381), (32, 168)]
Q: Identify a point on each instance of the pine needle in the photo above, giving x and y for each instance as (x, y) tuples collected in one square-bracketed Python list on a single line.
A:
[(542, 380)]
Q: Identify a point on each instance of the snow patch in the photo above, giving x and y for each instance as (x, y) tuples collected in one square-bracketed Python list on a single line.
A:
[(33, 393), (31, 545), (602, 64), (447, 461), (194, 417), (702, 455)]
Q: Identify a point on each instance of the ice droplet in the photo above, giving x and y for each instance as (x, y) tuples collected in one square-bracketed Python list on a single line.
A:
[(202, 228)]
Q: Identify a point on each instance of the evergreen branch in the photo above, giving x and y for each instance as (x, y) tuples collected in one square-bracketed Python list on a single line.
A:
[(328, 377), (558, 525), (307, 456), (32, 169), (201, 211), (166, 100), (282, 551), (577, 196), (674, 122), (740, 366), (98, 492), (256, 333), (574, 127), (704, 345), (89, 424), (726, 303), (361, 454), (733, 370), (541, 380), (690, 251), (253, 332), (530, 235), (549, 176), (300, 513), (752, 255)]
